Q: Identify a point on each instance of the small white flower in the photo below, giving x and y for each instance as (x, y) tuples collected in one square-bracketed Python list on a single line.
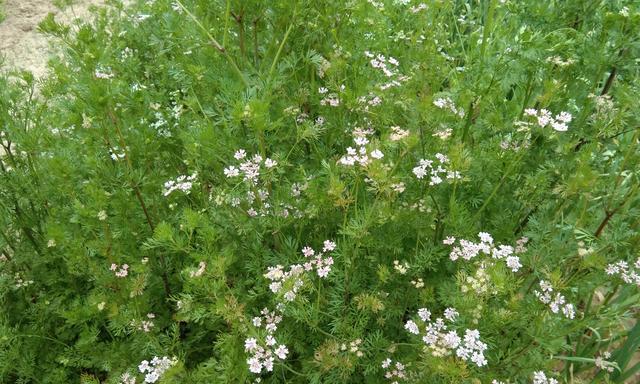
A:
[(377, 154), (412, 327), (424, 314), (513, 262), (450, 314), (485, 237), (281, 351), (250, 344), (328, 246), (231, 171), (254, 365), (449, 240)]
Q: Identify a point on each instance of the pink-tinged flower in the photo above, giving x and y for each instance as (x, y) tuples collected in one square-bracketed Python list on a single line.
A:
[(328, 246), (282, 351), (308, 251)]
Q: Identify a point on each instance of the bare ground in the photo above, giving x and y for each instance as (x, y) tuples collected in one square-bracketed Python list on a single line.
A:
[(21, 45)]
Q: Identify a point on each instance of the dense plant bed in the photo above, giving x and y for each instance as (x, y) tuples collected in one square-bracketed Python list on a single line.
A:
[(325, 192)]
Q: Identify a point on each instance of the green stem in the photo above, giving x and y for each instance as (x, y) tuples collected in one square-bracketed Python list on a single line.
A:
[(284, 40), (227, 15), (486, 31), (502, 180), (217, 45)]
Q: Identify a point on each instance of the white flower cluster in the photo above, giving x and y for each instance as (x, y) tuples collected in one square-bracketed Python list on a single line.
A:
[(20, 282), (401, 267), (604, 106), (160, 125), (104, 73), (510, 144), (389, 67), (447, 103), (127, 378), (156, 368), (545, 118), (468, 250), (331, 99), (381, 62), (360, 155), (556, 303), (629, 275), (263, 352), (480, 282), (198, 272), (443, 134), (181, 183), (603, 362), (539, 377), (353, 347), (398, 187), (419, 206), (435, 173), (398, 133), (371, 100), (120, 271), (418, 8), (441, 341), (249, 168), (144, 325), (127, 53), (291, 281), (559, 61), (393, 371), (116, 153), (323, 67)]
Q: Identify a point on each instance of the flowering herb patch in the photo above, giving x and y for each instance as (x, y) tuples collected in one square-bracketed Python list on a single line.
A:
[(388, 191)]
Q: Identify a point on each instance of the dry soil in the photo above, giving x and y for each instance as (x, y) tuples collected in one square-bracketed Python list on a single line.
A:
[(21, 45)]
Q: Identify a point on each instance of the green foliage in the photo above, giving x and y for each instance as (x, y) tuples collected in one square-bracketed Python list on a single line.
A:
[(124, 234)]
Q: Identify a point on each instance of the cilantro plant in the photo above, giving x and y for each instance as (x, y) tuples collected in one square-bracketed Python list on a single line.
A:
[(379, 191)]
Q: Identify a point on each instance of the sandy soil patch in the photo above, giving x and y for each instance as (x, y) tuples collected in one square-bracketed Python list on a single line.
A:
[(21, 45)]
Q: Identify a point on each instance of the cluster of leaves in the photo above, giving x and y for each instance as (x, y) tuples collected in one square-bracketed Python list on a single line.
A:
[(159, 89)]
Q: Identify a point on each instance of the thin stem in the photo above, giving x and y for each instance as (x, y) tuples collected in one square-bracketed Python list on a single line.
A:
[(255, 42), (607, 85), (136, 188), (45, 338), (284, 40), (486, 30), (502, 180), (216, 45), (292, 370), (227, 14), (239, 18)]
